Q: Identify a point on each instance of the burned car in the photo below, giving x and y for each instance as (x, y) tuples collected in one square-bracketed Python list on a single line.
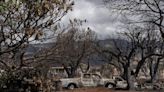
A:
[(93, 80)]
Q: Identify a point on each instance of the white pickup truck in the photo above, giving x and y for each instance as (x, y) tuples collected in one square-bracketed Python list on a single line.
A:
[(93, 80)]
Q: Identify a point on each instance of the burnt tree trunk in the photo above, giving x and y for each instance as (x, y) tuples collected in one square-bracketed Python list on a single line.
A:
[(127, 75), (71, 71), (155, 69), (151, 70)]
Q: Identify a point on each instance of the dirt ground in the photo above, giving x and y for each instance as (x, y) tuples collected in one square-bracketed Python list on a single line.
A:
[(102, 90), (89, 90)]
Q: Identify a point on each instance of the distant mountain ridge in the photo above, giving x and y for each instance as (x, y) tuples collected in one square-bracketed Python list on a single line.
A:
[(34, 47), (95, 61)]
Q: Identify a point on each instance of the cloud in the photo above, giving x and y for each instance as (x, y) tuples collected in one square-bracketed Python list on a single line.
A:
[(99, 18)]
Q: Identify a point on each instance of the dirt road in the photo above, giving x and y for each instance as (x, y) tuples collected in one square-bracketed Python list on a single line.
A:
[(89, 90), (103, 90)]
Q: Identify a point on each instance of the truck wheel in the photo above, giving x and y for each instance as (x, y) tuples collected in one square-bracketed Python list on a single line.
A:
[(138, 88), (71, 86), (156, 87), (109, 86)]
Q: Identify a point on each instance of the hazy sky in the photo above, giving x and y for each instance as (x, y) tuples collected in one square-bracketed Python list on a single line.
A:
[(99, 17)]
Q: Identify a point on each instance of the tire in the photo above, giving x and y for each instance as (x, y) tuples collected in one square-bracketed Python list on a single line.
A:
[(71, 86), (156, 87), (138, 88), (110, 86)]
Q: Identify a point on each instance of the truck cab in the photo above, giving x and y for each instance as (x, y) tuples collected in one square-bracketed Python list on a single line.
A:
[(92, 80), (120, 82)]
